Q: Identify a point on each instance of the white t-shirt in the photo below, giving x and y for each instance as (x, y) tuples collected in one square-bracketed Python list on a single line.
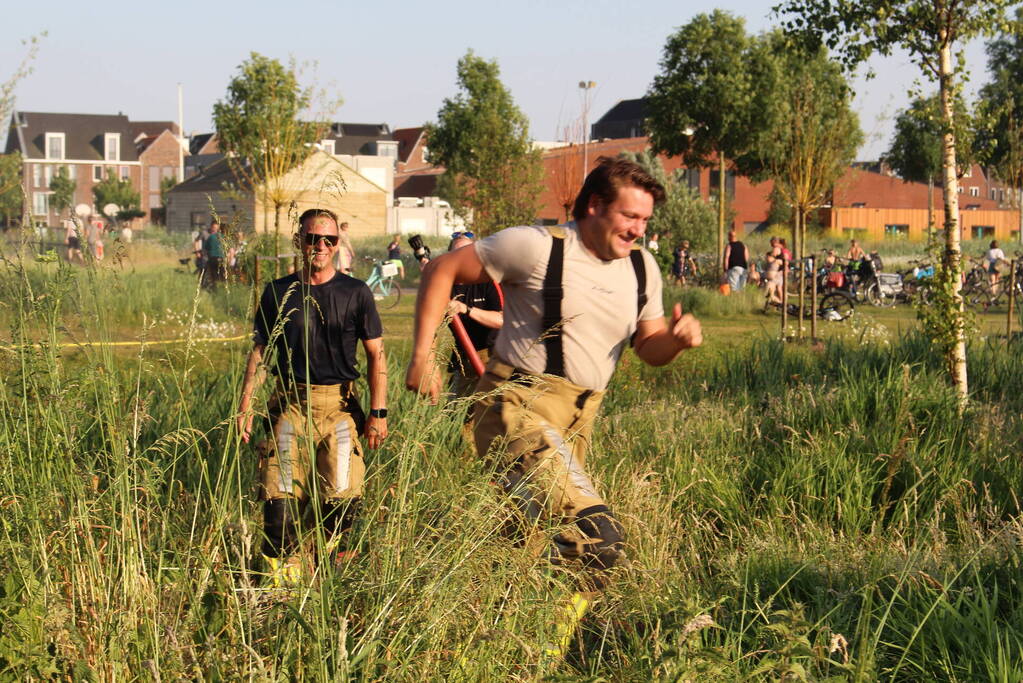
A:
[(993, 256), (598, 307)]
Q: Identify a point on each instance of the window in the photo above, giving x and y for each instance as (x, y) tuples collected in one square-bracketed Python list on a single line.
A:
[(48, 174), (715, 182), (968, 173), (154, 200), (993, 194), (960, 189), (55, 146), (1014, 235), (41, 203), (859, 205), (198, 219), (974, 191), (72, 171), (97, 173), (125, 172), (154, 177), (896, 231), (328, 146), (693, 179), (112, 147), (387, 148), (37, 175), (981, 231)]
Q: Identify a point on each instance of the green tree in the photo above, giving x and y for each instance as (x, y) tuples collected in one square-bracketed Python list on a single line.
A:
[(63, 188), (700, 103), (1000, 110), (482, 140), (915, 152), (929, 31), (114, 190), (683, 215), (166, 185), (259, 129), (12, 195), (810, 133)]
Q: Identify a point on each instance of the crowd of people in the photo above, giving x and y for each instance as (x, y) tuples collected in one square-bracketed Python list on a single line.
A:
[(89, 234), (216, 257)]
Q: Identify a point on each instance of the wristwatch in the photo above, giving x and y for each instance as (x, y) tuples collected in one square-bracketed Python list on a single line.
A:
[(378, 412)]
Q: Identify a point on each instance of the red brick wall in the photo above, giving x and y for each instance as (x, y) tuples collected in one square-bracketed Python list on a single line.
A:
[(876, 190), (161, 155)]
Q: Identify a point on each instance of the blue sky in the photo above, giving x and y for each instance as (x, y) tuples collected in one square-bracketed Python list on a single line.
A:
[(390, 62)]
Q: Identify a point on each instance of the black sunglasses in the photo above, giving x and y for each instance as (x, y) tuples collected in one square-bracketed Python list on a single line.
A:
[(312, 239)]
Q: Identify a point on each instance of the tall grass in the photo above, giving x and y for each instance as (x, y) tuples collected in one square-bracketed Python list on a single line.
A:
[(793, 514)]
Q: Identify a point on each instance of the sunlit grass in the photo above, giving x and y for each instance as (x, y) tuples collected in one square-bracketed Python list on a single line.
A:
[(800, 511)]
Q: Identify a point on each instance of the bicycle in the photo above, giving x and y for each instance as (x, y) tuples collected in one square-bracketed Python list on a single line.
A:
[(834, 306), (916, 282), (987, 295), (382, 284)]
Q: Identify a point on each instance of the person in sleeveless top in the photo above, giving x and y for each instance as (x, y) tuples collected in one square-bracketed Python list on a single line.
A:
[(736, 263)]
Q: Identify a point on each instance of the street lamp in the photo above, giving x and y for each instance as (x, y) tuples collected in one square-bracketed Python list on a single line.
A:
[(586, 87)]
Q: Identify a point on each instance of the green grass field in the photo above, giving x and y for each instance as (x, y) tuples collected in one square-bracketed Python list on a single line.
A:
[(794, 511)]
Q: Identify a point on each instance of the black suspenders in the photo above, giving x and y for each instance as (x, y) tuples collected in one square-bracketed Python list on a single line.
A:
[(553, 292)]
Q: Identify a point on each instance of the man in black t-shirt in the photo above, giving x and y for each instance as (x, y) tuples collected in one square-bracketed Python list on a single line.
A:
[(479, 308), (309, 323)]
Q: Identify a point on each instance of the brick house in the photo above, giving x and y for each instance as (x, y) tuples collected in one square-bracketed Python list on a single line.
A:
[(159, 153), (870, 203), (323, 180), (88, 145), (563, 176)]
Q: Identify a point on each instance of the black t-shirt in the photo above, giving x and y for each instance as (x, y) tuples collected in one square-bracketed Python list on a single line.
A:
[(483, 295), (737, 256), (321, 323)]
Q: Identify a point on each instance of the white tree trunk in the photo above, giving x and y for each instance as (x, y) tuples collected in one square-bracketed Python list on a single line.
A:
[(952, 262), (721, 212)]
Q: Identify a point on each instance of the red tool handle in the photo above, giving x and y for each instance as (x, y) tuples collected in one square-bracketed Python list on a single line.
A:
[(462, 337)]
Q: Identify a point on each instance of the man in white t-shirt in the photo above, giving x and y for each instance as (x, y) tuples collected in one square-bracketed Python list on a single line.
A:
[(574, 295)]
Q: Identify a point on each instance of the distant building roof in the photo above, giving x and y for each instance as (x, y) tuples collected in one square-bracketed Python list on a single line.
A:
[(358, 138), (83, 134), (152, 129), (407, 139), (212, 178), (624, 120), (198, 141), (421, 184)]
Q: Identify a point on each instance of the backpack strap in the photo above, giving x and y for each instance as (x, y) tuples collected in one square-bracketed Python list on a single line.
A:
[(552, 294), (639, 267)]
